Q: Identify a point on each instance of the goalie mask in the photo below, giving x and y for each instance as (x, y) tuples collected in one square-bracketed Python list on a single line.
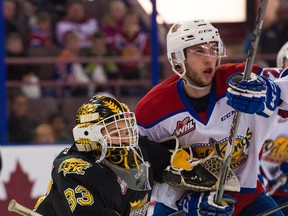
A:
[(187, 34), (105, 125), (282, 56)]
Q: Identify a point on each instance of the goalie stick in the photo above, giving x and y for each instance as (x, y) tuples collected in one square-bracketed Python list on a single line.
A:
[(237, 114), (20, 209)]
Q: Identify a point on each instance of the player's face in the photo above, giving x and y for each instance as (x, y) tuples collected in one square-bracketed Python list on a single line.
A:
[(200, 64), (117, 133)]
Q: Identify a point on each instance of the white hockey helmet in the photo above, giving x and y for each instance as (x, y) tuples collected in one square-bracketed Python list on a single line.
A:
[(282, 56), (190, 33)]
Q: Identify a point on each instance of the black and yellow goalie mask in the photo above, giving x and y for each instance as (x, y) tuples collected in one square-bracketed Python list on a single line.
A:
[(106, 125)]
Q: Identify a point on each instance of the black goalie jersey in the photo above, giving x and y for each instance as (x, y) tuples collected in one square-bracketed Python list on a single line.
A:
[(79, 186)]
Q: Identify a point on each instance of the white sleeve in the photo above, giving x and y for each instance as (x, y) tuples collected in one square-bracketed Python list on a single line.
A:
[(282, 82), (283, 85)]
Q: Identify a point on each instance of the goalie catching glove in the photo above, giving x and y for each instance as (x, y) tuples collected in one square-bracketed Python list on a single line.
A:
[(190, 173), (258, 95), (202, 204)]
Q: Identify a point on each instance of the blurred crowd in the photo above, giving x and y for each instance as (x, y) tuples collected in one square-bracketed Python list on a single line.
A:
[(65, 30), (274, 33), (23, 128)]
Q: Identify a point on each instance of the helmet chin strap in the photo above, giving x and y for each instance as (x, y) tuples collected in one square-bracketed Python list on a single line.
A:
[(186, 82), (180, 70)]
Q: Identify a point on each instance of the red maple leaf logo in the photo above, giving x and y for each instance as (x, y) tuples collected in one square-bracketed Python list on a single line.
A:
[(19, 188)]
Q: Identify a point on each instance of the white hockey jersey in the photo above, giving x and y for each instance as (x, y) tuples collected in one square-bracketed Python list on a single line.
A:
[(166, 111), (274, 153)]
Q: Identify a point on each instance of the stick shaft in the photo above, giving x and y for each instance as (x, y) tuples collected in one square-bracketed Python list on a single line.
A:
[(181, 213), (276, 208), (255, 39), (20, 209), (236, 119)]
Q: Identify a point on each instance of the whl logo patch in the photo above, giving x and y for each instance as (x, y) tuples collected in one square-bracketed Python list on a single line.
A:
[(183, 127)]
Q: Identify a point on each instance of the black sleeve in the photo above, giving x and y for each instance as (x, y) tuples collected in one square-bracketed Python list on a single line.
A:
[(157, 154)]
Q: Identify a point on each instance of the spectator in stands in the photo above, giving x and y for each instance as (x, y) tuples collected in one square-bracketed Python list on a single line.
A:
[(112, 22), (30, 10), (27, 10), (16, 18), (31, 86), (59, 126), (44, 134), (15, 48), (41, 35), (9, 11), (77, 22), (56, 8), (274, 36), (18, 72), (99, 49), (132, 43), (101, 72), (20, 125), (69, 70)]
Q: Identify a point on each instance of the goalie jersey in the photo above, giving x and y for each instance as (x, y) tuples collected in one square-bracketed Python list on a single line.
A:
[(79, 186), (167, 111)]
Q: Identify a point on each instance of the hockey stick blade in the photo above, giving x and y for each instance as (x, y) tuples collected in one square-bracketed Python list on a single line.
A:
[(236, 119)]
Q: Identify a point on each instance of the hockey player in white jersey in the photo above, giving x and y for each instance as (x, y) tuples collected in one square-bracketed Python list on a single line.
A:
[(274, 160), (192, 105)]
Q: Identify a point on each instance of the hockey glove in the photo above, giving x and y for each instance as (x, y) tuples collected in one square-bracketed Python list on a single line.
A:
[(196, 203), (258, 95)]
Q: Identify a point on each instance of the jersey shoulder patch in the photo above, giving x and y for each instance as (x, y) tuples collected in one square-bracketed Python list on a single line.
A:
[(74, 166), (160, 101)]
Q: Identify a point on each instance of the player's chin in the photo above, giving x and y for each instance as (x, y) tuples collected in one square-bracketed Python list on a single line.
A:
[(207, 81), (208, 76)]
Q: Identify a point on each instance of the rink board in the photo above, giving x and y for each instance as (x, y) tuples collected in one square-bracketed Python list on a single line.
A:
[(26, 173)]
